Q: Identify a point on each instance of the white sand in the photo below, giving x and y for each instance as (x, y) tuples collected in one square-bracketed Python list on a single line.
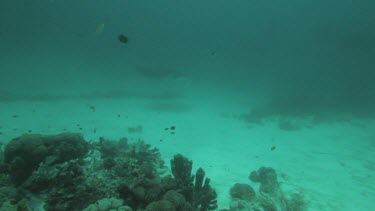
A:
[(333, 165)]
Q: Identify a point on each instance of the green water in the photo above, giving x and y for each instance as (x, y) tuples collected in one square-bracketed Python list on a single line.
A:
[(277, 50), (305, 63)]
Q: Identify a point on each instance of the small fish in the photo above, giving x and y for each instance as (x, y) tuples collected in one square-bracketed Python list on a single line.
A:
[(122, 38)]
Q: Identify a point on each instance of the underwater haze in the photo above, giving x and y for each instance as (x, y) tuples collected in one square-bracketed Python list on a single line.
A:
[(322, 52), (246, 83)]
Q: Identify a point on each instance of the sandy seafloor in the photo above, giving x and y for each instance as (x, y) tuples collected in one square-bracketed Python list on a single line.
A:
[(332, 164)]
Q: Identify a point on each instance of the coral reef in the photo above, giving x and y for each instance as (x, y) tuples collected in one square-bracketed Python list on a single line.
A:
[(64, 172), (23, 155)]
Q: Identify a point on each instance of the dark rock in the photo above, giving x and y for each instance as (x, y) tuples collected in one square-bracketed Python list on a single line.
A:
[(242, 191)]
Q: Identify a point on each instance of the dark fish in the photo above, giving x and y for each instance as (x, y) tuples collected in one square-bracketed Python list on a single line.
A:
[(122, 38)]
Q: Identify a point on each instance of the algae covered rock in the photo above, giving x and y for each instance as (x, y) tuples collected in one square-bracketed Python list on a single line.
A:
[(267, 178), (270, 197)]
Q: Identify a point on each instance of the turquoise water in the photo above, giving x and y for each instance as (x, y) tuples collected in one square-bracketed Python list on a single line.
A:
[(236, 78)]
